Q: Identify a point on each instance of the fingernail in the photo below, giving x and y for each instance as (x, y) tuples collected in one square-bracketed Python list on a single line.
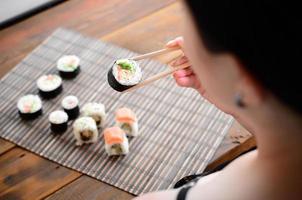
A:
[(171, 43), (179, 38)]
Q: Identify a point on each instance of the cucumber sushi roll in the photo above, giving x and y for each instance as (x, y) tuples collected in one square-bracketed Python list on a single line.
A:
[(124, 74), (49, 86), (29, 106), (85, 130), (127, 121), (68, 66), (58, 121), (70, 105), (116, 142), (96, 111)]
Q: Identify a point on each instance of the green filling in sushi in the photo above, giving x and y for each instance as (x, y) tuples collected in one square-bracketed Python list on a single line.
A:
[(126, 72), (126, 64)]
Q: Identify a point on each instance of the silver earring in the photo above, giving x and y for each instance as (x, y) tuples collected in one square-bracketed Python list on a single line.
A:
[(238, 98)]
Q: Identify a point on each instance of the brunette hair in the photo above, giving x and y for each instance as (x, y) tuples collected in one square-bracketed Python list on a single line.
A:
[(264, 35)]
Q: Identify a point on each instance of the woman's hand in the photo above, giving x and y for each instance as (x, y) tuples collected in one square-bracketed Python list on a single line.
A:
[(184, 77)]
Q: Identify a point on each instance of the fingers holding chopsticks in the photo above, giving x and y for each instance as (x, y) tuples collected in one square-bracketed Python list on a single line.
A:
[(179, 61), (183, 77)]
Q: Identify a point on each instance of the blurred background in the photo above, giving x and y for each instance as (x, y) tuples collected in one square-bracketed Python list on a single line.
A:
[(12, 11)]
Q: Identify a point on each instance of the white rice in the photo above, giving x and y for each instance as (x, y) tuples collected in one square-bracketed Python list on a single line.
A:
[(68, 63), (49, 82), (134, 128), (32, 101), (94, 109), (70, 102), (135, 79), (58, 117), (82, 124)]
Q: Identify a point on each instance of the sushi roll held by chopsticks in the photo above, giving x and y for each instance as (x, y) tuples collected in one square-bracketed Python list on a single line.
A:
[(124, 74), (85, 130), (127, 121), (116, 142)]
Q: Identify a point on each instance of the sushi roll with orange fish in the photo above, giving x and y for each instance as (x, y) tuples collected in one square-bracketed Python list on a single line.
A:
[(127, 121), (116, 142)]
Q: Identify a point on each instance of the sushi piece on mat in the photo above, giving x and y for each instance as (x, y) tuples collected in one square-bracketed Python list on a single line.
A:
[(96, 111), (85, 130), (70, 105), (29, 106), (116, 142), (58, 121), (49, 86), (124, 74), (68, 66), (126, 120)]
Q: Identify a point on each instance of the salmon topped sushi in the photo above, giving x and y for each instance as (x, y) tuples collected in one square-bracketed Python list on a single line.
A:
[(126, 119), (116, 142)]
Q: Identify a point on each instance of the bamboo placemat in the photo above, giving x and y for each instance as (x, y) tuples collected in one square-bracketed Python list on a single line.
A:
[(180, 131)]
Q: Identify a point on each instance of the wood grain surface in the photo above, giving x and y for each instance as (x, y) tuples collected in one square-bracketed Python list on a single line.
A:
[(89, 188), (5, 146), (26, 176), (141, 26)]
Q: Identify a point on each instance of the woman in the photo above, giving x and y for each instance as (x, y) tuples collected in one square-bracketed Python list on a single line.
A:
[(244, 58)]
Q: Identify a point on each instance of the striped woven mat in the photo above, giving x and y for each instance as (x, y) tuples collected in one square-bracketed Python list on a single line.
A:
[(180, 131)]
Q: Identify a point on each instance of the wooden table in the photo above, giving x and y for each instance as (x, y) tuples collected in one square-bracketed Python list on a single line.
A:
[(141, 26)]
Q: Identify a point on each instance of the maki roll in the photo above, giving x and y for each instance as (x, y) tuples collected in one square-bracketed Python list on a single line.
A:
[(29, 106), (49, 86), (124, 74), (116, 142), (68, 66), (96, 111), (58, 121), (70, 105), (127, 121), (85, 130)]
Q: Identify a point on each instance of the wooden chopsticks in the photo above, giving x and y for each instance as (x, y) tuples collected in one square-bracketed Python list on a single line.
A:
[(154, 53), (159, 75)]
